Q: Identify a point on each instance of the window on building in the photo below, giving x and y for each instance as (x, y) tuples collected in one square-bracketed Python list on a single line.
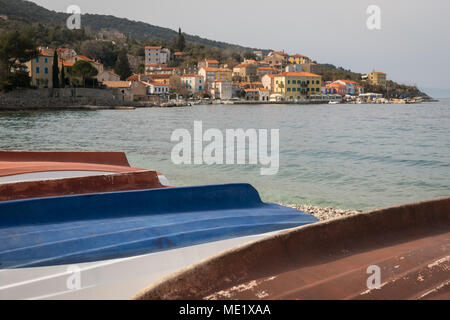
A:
[(37, 59), (46, 71), (37, 70), (46, 60)]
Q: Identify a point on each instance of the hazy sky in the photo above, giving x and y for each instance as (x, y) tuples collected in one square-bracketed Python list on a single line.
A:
[(413, 45)]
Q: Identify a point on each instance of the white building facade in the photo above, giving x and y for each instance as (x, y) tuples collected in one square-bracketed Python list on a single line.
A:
[(193, 82), (156, 55)]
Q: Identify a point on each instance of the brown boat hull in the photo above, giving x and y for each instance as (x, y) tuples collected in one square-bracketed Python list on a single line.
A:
[(410, 245)]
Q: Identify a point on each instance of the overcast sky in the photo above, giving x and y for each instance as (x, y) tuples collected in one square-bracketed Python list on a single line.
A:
[(412, 46)]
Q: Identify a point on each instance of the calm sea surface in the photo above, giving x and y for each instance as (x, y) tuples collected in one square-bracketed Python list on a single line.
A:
[(347, 156)]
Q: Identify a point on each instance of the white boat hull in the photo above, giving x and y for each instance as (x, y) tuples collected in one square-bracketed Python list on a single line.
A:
[(116, 279)]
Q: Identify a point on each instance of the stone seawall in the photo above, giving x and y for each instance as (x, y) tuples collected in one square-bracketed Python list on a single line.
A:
[(64, 99)]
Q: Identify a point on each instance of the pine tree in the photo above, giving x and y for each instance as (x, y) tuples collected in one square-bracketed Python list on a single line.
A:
[(55, 71), (181, 44), (122, 67), (63, 77)]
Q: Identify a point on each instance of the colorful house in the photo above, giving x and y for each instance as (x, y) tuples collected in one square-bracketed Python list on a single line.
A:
[(193, 82), (376, 78), (299, 59), (267, 81), (297, 85), (350, 86), (335, 88), (40, 70)]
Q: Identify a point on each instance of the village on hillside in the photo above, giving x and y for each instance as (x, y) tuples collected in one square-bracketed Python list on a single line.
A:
[(275, 77)]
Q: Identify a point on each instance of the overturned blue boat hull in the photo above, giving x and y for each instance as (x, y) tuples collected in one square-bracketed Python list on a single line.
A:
[(85, 228)]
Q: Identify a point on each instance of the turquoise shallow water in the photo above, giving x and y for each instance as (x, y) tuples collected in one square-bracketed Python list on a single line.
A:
[(347, 156)]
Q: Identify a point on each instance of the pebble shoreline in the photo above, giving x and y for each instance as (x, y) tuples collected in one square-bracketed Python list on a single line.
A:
[(323, 214)]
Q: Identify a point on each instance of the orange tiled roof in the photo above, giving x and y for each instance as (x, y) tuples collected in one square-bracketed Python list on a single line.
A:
[(210, 69), (66, 64), (191, 76), (298, 74), (266, 68), (348, 81), (157, 84), (212, 61), (159, 75), (153, 47), (280, 53), (45, 54), (299, 56), (117, 84), (224, 70)]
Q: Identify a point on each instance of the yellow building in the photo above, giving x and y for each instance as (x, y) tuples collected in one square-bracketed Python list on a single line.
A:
[(224, 74), (40, 70), (299, 59), (377, 78), (297, 85)]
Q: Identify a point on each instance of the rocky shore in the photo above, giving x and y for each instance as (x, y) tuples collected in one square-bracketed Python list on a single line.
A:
[(323, 214)]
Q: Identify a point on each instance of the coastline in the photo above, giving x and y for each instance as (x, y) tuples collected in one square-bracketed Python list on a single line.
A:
[(323, 213)]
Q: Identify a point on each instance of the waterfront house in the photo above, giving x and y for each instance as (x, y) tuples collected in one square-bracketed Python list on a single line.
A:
[(193, 82), (267, 81), (122, 89), (157, 89), (335, 88), (264, 94), (297, 85), (156, 55), (252, 94), (222, 89), (40, 70), (350, 86)]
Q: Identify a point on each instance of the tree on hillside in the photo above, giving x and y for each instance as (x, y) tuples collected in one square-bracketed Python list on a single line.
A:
[(16, 48), (84, 70), (249, 55), (122, 67), (181, 43), (104, 51), (55, 71), (63, 77)]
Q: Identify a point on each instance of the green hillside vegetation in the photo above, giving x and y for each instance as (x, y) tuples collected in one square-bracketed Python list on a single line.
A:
[(31, 12)]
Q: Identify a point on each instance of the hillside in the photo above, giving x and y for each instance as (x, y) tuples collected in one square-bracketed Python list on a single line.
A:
[(31, 12)]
